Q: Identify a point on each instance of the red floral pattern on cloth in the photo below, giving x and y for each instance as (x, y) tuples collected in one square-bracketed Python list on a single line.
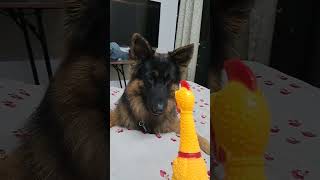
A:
[(294, 85), (268, 157), (8, 103), (269, 83), (275, 129), (203, 116), (164, 175), (24, 92), (294, 123), (282, 77), (21, 133), (158, 135), (292, 140), (285, 91), (299, 174), (15, 96), (308, 134), (120, 130), (173, 139)]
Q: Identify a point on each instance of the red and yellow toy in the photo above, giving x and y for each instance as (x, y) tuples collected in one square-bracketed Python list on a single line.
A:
[(240, 125), (189, 165)]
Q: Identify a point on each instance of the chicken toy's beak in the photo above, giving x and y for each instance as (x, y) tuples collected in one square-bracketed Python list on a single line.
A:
[(185, 84)]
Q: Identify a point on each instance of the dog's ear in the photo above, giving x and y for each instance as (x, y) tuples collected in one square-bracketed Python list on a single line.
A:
[(182, 55), (140, 48)]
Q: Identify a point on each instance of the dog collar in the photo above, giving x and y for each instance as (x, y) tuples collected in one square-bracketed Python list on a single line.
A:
[(141, 124)]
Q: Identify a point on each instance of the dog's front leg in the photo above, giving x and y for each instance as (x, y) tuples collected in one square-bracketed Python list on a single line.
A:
[(203, 142), (113, 118)]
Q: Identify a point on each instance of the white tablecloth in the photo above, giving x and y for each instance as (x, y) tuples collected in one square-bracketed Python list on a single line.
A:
[(17, 101)]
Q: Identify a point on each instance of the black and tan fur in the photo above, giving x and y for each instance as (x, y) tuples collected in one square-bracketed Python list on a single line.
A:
[(133, 107), (68, 130)]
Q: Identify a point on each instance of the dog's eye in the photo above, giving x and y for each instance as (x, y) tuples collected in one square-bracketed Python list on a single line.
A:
[(154, 74), (149, 78), (167, 78)]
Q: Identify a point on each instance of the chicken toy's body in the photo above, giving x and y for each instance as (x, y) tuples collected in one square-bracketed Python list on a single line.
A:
[(189, 165), (241, 124)]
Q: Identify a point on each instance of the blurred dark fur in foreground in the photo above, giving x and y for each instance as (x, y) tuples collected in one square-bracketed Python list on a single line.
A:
[(68, 130), (228, 18)]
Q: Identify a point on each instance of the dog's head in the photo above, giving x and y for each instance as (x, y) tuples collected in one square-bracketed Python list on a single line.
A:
[(160, 73)]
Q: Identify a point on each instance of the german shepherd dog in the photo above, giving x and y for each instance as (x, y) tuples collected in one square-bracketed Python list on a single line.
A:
[(148, 102), (68, 131)]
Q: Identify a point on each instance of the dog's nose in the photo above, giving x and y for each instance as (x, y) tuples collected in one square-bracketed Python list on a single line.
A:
[(158, 109)]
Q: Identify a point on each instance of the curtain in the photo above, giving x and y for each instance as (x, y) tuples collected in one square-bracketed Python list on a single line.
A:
[(188, 31), (262, 20)]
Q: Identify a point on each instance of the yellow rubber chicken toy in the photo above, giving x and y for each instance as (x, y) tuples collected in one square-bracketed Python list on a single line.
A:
[(240, 124), (189, 165)]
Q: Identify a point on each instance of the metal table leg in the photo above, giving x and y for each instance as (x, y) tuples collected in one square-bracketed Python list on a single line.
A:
[(43, 42), (118, 70), (28, 45), (123, 75), (18, 16)]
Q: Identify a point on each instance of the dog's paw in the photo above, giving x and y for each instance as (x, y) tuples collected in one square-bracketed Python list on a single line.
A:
[(204, 145)]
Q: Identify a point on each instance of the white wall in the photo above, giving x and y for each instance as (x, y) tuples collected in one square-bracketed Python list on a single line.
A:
[(168, 23)]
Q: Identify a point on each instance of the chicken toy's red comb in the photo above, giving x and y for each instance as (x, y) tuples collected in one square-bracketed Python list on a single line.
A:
[(185, 84), (237, 71)]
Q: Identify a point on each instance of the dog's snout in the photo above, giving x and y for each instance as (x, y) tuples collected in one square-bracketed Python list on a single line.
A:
[(158, 108)]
